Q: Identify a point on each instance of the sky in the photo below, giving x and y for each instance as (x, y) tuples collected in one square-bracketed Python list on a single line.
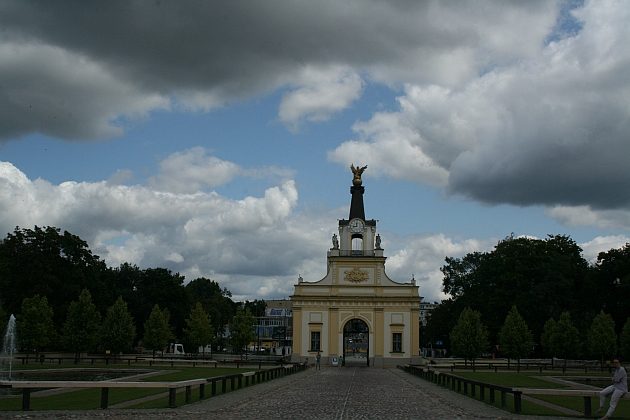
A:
[(215, 138)]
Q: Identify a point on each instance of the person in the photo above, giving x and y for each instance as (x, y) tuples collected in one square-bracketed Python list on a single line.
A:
[(617, 390), (318, 360)]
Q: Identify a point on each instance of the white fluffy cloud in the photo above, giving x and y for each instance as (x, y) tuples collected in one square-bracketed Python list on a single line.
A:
[(422, 257), (186, 232), (321, 93), (193, 170), (255, 246)]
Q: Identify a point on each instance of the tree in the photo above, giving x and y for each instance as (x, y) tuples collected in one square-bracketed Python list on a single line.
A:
[(34, 326), (546, 338), (469, 338), (216, 302), (542, 277), (624, 340), (118, 329), (612, 272), (82, 326), (159, 286), (602, 340), (515, 337), (242, 329), (198, 331), (256, 307), (157, 330), (562, 337), (49, 263)]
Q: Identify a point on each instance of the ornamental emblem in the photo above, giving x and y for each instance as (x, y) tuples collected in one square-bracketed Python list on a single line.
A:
[(356, 275)]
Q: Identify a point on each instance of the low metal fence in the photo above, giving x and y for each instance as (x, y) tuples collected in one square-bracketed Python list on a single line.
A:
[(236, 381)]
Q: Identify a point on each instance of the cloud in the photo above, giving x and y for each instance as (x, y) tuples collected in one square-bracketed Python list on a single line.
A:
[(141, 56), (254, 246), (551, 129), (592, 248), (321, 94), (193, 170), (422, 257), (247, 242), (587, 216), (64, 94)]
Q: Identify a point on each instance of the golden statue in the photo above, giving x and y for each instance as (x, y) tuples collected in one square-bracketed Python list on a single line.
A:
[(356, 180)]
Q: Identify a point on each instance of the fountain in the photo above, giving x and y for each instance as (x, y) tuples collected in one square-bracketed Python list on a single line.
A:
[(9, 345)]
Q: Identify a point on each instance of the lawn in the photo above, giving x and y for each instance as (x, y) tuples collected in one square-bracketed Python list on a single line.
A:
[(531, 380), (90, 398)]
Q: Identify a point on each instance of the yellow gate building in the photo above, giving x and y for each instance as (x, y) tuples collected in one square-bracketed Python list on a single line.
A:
[(356, 315)]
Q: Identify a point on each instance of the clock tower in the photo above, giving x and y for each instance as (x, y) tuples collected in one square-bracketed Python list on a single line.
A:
[(356, 315)]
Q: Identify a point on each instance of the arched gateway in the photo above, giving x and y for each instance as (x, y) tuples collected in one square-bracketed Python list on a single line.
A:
[(356, 311), (356, 343)]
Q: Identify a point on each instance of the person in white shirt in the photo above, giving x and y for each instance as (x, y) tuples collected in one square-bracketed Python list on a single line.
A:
[(617, 390)]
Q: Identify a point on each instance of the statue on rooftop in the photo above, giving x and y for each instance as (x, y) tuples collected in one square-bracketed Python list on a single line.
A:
[(356, 180)]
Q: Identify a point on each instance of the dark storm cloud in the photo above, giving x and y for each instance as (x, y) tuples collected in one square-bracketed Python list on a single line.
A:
[(143, 55)]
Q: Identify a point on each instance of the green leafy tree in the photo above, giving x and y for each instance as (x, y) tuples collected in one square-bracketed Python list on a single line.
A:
[(216, 302), (49, 263), (612, 272), (82, 326), (542, 277), (564, 338), (158, 286), (118, 330), (469, 337), (546, 337), (256, 307), (198, 331), (35, 327), (624, 340), (242, 329), (157, 330), (515, 337), (602, 339)]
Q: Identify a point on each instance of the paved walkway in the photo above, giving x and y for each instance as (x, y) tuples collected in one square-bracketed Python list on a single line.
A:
[(331, 393)]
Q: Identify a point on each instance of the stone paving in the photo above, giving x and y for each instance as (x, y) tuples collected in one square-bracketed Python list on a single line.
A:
[(331, 393)]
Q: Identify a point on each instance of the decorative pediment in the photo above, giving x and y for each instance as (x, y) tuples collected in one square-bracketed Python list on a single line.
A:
[(355, 275)]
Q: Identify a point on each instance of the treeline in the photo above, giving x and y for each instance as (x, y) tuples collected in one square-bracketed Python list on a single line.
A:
[(563, 300), (45, 273)]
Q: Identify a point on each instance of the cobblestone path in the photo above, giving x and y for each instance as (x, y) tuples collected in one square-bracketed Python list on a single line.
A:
[(331, 393)]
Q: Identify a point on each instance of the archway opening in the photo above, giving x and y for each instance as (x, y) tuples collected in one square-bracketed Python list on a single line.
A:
[(356, 343)]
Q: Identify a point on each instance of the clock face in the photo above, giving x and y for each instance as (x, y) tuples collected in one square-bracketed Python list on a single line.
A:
[(356, 225)]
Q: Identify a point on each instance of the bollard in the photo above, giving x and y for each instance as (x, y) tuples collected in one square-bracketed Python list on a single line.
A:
[(517, 401), (587, 407), (188, 394), (172, 398), (202, 391), (104, 398), (26, 399)]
